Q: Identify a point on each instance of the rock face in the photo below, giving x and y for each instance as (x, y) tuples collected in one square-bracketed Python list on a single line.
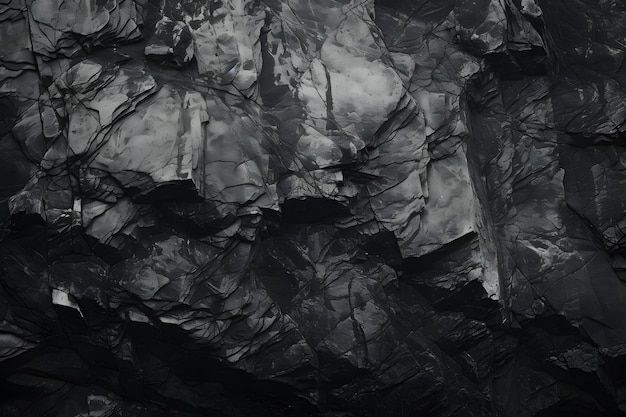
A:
[(312, 208)]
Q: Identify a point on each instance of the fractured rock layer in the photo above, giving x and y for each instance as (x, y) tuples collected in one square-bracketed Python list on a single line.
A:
[(298, 208)]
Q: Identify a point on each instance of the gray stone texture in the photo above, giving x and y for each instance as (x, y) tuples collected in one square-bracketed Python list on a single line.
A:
[(320, 208)]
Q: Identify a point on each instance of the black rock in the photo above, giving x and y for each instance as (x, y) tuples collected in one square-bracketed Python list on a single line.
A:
[(331, 208)]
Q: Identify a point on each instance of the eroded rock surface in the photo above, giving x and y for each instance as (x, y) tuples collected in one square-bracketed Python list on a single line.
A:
[(297, 208)]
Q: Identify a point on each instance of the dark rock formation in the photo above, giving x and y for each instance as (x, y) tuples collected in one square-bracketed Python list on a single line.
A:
[(312, 208)]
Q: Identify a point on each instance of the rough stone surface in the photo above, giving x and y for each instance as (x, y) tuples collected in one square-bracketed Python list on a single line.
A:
[(312, 208)]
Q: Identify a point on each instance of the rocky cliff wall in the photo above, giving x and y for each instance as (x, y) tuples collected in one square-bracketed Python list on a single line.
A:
[(312, 208)]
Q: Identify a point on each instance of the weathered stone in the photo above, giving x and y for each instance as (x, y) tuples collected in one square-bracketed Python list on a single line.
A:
[(312, 208)]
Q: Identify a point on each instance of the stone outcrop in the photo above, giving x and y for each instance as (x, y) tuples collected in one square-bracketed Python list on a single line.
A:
[(312, 208)]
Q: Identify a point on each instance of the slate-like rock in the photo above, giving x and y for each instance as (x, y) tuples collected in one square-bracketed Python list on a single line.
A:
[(312, 208)]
